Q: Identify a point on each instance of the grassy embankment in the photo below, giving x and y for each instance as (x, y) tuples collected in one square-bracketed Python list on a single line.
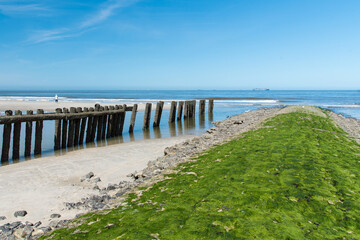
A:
[(296, 179)]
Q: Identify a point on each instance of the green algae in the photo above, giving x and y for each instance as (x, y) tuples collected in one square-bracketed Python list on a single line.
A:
[(295, 178)]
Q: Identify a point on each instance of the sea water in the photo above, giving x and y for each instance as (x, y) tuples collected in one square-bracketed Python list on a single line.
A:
[(227, 103)]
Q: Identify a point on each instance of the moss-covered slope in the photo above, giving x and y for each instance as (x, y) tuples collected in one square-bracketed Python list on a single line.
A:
[(296, 178)]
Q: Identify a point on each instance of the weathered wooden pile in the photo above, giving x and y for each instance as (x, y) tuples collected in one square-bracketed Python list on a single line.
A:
[(75, 126)]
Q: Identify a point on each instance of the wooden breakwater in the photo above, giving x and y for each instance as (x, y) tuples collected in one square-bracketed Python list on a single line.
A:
[(76, 126)]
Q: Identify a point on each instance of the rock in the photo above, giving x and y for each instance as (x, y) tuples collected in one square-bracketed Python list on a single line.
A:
[(111, 187), (87, 176), (95, 180), (27, 223), (21, 233), (45, 229), (55, 215), (62, 223), (2, 218), (27, 230), (53, 223), (16, 225), (37, 224), (18, 233), (21, 213), (37, 232)]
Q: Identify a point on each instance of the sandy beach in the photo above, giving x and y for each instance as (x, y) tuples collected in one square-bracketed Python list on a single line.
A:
[(41, 186), (51, 106)]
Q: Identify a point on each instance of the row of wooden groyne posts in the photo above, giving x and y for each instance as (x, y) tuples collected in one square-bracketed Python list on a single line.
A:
[(74, 125)]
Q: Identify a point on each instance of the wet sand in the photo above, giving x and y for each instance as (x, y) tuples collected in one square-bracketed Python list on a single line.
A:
[(41, 186)]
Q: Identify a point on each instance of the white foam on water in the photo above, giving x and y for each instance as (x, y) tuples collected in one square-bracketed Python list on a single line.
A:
[(248, 101)]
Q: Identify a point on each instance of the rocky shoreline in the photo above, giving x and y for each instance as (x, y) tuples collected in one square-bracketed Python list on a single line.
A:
[(113, 195)]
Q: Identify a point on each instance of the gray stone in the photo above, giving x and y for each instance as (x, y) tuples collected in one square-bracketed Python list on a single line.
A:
[(37, 224), (21, 213), (45, 229), (16, 225), (55, 215), (27, 230), (53, 223), (87, 176), (37, 232), (95, 180), (22, 233), (111, 187), (2, 218), (27, 223)]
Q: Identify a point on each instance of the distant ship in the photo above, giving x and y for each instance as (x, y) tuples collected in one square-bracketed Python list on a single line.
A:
[(261, 89)]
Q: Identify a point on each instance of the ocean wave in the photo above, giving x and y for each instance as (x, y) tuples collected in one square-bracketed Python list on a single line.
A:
[(248, 101), (67, 99)]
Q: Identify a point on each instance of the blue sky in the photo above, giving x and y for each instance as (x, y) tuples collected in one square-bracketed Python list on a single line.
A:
[(179, 44)]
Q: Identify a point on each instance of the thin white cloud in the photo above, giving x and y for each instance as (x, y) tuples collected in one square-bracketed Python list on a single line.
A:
[(105, 11), (19, 7), (56, 34)]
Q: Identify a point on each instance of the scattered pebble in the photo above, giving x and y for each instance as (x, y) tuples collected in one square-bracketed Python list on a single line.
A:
[(21, 213)]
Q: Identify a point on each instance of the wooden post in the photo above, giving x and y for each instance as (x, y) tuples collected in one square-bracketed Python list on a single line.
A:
[(110, 123), (172, 114), (57, 135), (89, 126), (180, 110), (100, 125), (38, 134), (105, 121), (6, 139), (122, 120), (193, 108), (211, 105), (158, 112), (71, 132), (186, 109), (28, 133), (83, 126), (94, 124), (147, 116), (201, 107), (133, 118), (116, 122), (16, 138), (64, 129), (77, 123)]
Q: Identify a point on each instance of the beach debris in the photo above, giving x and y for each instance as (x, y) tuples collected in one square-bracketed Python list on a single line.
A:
[(20, 213), (55, 215), (2, 218)]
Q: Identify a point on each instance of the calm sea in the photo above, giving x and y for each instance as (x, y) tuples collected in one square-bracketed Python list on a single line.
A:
[(227, 103)]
